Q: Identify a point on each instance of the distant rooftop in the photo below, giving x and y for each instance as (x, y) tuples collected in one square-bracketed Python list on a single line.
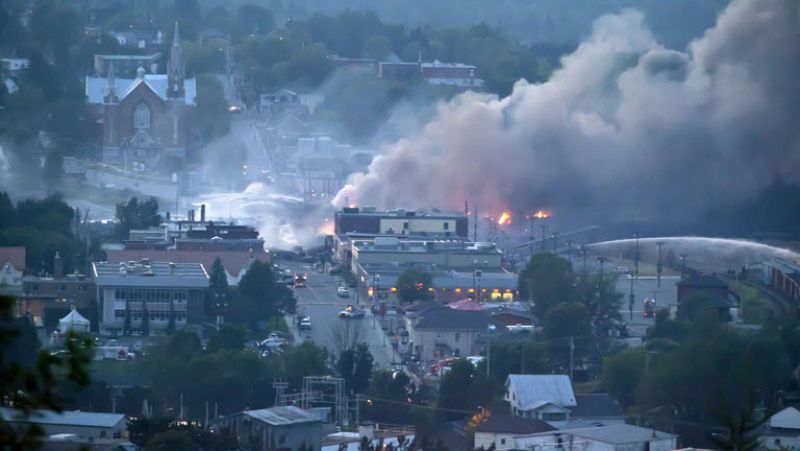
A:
[(95, 87), (146, 273), (620, 434), (282, 416), (66, 418), (531, 389), (372, 211)]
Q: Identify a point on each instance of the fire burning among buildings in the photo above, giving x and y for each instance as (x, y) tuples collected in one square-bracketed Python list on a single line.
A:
[(542, 214), (505, 218)]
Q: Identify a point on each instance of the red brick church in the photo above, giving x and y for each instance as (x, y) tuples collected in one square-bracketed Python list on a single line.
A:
[(145, 120)]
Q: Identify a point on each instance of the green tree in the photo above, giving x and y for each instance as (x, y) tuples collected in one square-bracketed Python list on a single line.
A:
[(259, 295), (142, 429), (171, 319), (355, 366), (127, 328), (31, 378), (136, 215), (254, 19), (174, 439), (570, 319), (548, 280), (212, 116), (218, 293), (413, 284), (306, 359), (145, 320), (622, 373), (463, 389), (228, 337)]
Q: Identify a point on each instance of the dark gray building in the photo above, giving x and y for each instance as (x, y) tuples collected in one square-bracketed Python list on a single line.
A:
[(285, 427)]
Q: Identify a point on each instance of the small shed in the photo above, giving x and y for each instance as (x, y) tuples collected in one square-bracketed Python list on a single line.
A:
[(73, 322)]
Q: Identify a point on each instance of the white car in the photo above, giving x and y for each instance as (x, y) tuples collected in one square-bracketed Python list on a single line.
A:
[(272, 342), (343, 292), (352, 312)]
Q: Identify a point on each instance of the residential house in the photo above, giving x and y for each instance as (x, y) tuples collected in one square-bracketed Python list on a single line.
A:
[(442, 332), (710, 287), (595, 409), (47, 298), (400, 437), (12, 267), (782, 432), (285, 427), (498, 431), (547, 397), (618, 437)]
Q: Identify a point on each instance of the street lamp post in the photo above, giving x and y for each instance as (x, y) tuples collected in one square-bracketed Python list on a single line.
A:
[(659, 266), (555, 241), (544, 236)]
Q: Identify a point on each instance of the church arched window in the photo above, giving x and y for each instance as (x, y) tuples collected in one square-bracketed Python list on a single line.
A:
[(141, 116)]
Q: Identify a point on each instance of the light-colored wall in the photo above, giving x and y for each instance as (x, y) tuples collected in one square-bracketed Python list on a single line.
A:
[(9, 275), (120, 429), (486, 440), (768, 441), (418, 225), (550, 440), (429, 338)]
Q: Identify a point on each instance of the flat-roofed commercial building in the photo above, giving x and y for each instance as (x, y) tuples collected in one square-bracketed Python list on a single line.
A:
[(162, 290)]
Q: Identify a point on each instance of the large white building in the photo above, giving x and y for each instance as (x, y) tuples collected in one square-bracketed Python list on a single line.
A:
[(163, 290)]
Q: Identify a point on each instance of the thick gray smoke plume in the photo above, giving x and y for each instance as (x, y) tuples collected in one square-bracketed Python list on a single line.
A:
[(625, 124)]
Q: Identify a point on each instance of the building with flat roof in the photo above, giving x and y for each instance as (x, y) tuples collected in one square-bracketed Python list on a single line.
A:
[(285, 427), (430, 223), (618, 437), (86, 425), (162, 290)]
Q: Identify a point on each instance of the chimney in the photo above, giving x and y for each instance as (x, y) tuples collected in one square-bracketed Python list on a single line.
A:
[(202, 212), (58, 267)]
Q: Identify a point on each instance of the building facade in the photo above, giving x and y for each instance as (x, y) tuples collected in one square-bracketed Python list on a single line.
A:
[(145, 120), (163, 291)]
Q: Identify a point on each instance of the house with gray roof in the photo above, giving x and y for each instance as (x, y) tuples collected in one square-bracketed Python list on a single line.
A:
[(619, 437), (164, 291), (547, 397), (284, 427), (83, 425), (442, 332)]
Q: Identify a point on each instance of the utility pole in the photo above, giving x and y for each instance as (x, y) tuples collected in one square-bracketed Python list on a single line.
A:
[(569, 251), (584, 252), (683, 266), (571, 356), (631, 298), (638, 256), (555, 241), (659, 266), (475, 225), (544, 235)]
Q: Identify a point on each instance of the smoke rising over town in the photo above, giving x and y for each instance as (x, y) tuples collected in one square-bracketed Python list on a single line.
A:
[(624, 122)]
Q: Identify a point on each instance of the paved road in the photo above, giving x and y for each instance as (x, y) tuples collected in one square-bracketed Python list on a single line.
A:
[(320, 301)]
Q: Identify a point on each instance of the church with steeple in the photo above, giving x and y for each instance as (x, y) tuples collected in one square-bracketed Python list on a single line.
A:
[(145, 120)]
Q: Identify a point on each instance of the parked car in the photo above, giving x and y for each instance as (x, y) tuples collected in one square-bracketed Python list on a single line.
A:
[(305, 323), (343, 292)]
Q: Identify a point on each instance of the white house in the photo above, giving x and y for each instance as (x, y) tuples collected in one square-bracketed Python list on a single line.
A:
[(618, 437), (87, 425), (544, 397), (12, 265), (783, 430), (498, 431)]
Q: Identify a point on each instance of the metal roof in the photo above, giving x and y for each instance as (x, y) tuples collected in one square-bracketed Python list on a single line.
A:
[(445, 318), (282, 416), (150, 274), (95, 87), (620, 434), (532, 389), (507, 424), (66, 418)]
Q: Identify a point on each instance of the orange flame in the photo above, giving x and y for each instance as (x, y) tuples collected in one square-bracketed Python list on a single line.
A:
[(542, 214), (505, 218), (326, 228)]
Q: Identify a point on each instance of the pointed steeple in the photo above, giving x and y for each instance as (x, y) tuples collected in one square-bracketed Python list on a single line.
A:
[(111, 80), (175, 70)]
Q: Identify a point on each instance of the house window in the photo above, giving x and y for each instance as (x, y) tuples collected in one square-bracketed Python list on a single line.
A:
[(447, 226), (141, 116), (554, 416), (502, 441)]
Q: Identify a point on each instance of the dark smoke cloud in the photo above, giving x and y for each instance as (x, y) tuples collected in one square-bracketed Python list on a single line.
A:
[(625, 125)]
